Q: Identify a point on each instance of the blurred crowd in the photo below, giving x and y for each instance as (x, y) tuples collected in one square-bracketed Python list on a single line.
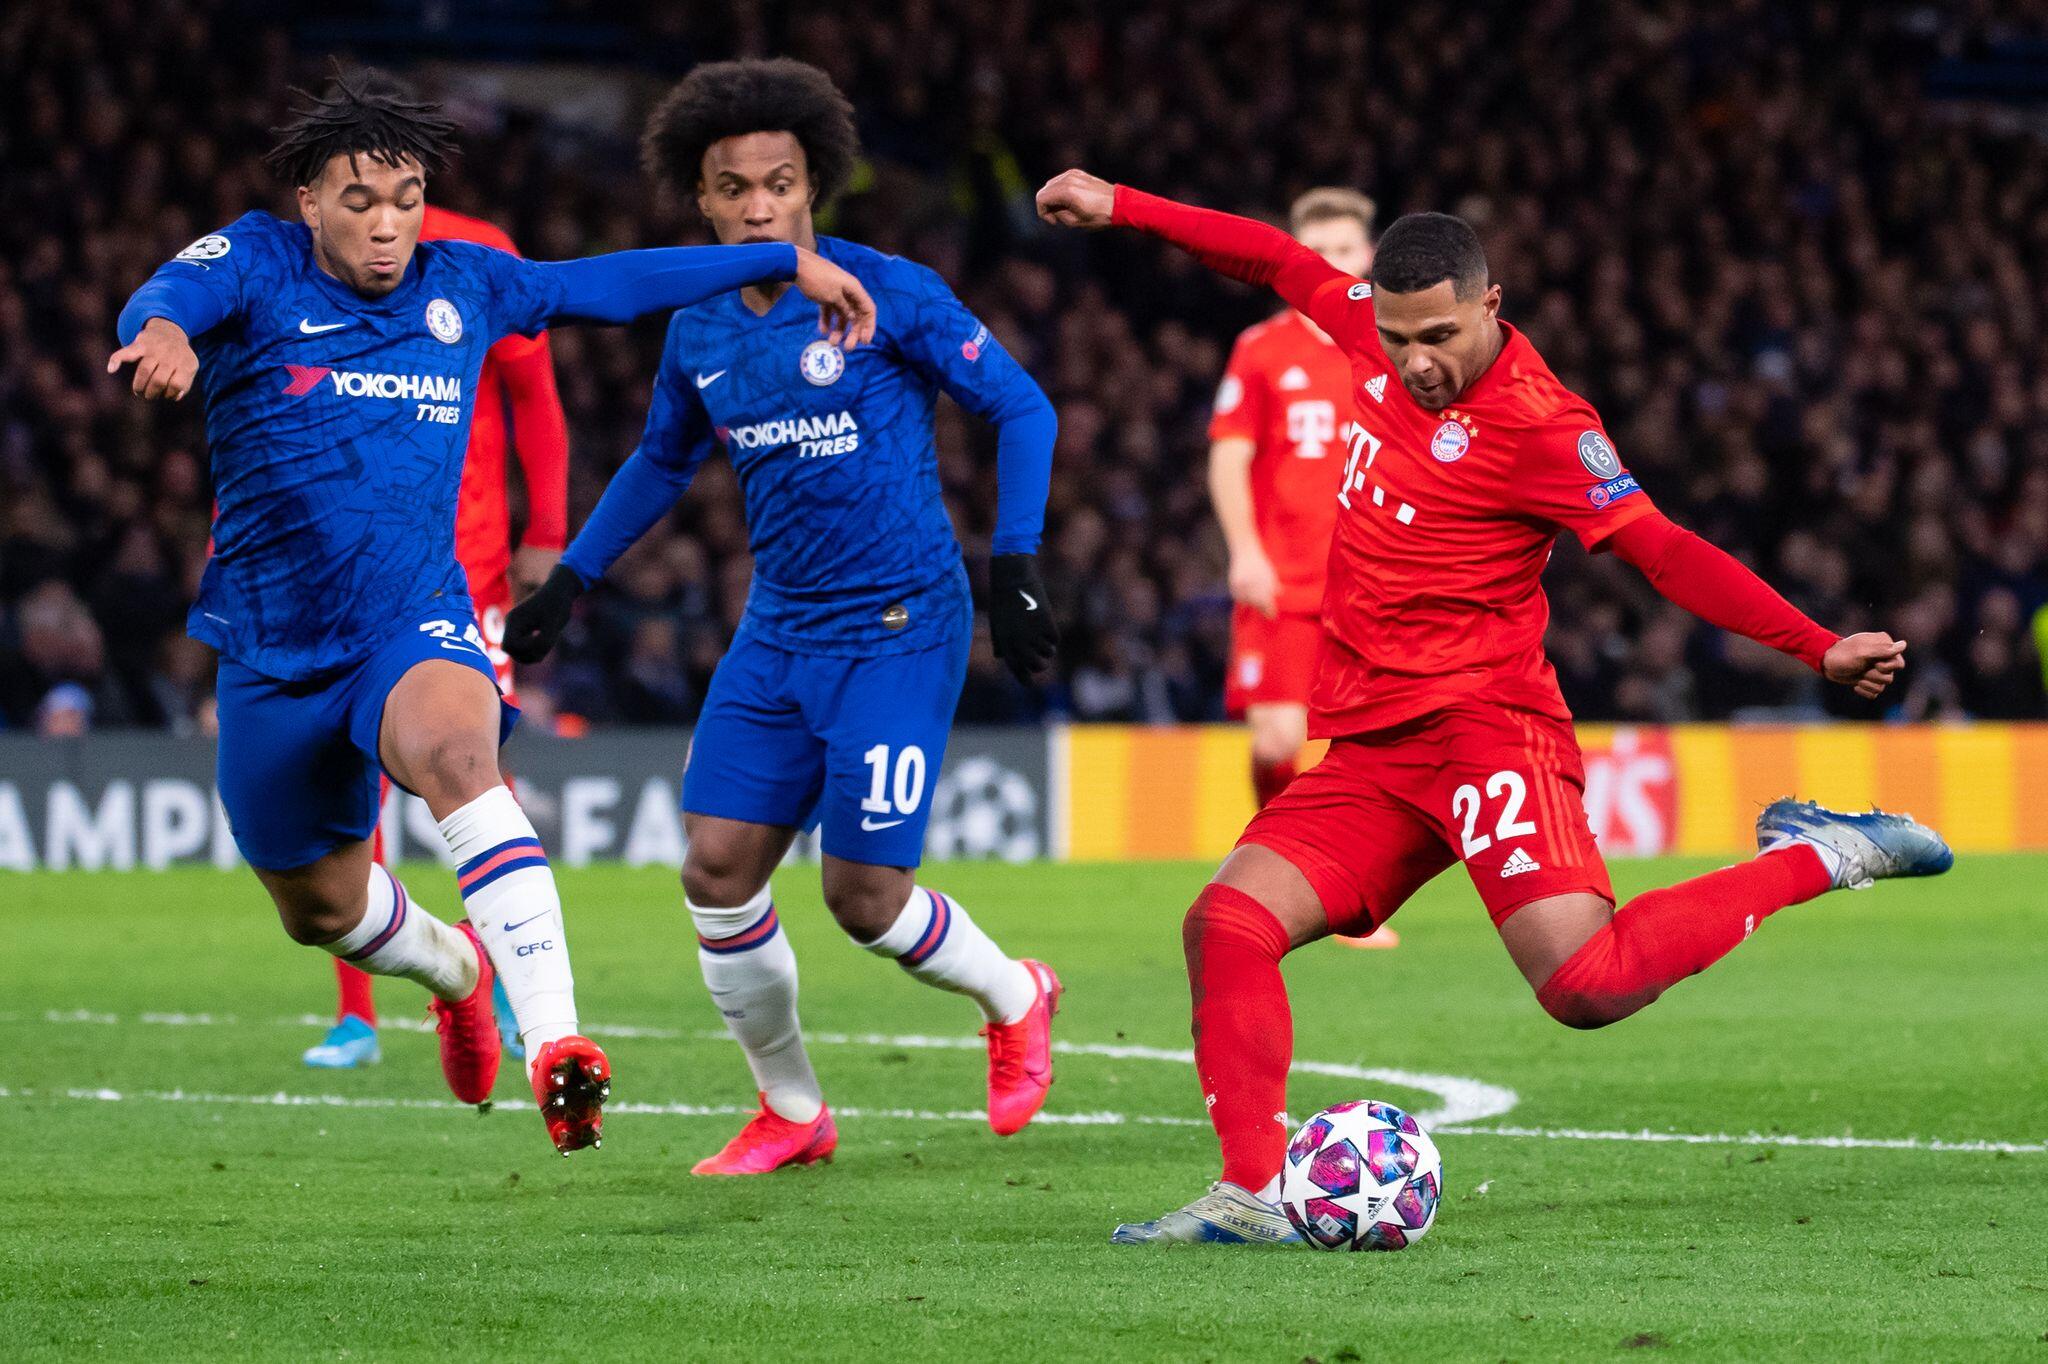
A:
[(1811, 302)]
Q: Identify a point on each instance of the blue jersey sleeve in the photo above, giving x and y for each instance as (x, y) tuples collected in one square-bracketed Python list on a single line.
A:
[(529, 295), (941, 339), (654, 477), (201, 286)]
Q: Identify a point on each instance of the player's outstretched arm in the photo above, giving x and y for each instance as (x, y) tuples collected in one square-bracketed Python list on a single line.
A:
[(189, 295), (627, 284), (1242, 248), (1715, 586)]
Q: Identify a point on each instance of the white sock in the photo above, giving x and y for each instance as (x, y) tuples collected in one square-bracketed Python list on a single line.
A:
[(935, 941), (750, 970), (398, 938), (509, 891)]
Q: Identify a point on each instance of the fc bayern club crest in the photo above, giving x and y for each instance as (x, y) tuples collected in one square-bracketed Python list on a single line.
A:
[(1450, 443), (822, 363), (444, 322)]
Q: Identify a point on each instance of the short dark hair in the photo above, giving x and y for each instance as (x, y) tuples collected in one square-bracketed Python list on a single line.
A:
[(367, 114), (1423, 249), (731, 99)]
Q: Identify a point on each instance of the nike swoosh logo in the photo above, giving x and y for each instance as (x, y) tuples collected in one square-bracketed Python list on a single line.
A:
[(1030, 602), (306, 326), (707, 380), (871, 825), (528, 919)]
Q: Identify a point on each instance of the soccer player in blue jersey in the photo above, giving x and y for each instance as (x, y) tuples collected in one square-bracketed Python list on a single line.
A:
[(836, 696), (340, 357)]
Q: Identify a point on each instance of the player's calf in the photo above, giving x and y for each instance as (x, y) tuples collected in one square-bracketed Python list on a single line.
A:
[(750, 970)]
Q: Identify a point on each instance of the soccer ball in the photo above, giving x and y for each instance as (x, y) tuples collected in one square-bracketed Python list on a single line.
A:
[(1361, 1176)]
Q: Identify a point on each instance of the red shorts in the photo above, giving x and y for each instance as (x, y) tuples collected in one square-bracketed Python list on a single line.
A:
[(1272, 659), (1500, 790), (492, 602)]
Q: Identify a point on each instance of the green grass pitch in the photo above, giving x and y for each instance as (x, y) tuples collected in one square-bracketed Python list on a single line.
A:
[(153, 1209)]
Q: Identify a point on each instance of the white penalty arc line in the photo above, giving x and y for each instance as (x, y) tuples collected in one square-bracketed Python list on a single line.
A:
[(1459, 1099), (1467, 1104)]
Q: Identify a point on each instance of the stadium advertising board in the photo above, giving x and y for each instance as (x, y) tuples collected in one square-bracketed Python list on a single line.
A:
[(114, 802), (1083, 793)]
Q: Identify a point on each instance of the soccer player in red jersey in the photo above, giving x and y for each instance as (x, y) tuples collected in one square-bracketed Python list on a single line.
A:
[(1449, 739), (516, 405), (1276, 445)]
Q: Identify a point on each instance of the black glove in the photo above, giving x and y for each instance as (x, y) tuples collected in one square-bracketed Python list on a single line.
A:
[(1020, 617), (535, 625)]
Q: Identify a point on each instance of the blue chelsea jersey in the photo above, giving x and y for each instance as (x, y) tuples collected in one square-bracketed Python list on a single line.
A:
[(854, 553), (337, 426)]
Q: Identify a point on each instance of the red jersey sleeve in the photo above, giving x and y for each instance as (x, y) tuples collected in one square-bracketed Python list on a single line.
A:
[(1240, 410), (1714, 586), (1570, 476), (1256, 253), (540, 437)]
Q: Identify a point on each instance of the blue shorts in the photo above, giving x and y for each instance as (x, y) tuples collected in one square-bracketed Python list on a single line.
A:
[(298, 770), (851, 743)]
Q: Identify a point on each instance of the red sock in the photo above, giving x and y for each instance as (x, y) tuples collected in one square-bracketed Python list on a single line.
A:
[(355, 993), (1244, 1034), (1661, 937), (1270, 779)]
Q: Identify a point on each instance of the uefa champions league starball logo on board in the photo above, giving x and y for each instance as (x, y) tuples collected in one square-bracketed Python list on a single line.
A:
[(821, 363), (444, 322), (1450, 443)]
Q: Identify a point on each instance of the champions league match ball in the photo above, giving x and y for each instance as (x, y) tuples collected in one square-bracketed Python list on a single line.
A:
[(1361, 1176)]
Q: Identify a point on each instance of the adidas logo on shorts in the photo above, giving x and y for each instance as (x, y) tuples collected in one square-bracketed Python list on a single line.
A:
[(1517, 863)]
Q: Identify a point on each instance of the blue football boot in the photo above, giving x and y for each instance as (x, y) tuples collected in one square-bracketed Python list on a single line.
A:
[(348, 1044), (1858, 849), (508, 1026), (1226, 1215)]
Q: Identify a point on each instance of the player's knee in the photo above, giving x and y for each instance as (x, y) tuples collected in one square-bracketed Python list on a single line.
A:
[(712, 880), (1586, 1010), (315, 924), (453, 770), (865, 909)]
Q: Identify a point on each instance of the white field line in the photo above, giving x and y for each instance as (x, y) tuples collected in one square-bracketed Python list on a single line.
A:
[(1460, 1100), (1456, 1092)]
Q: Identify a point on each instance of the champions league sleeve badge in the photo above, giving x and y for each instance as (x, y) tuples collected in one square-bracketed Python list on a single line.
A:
[(821, 363), (1598, 456)]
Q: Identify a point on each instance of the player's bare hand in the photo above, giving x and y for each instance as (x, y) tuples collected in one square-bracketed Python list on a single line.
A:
[(164, 363), (530, 568), (1074, 198), (1868, 662), (1255, 582), (846, 315)]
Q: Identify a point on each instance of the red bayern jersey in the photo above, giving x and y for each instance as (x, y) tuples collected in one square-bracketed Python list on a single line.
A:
[(516, 402), (1446, 520), (1287, 390)]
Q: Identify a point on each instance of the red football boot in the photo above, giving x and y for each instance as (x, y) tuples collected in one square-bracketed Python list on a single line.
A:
[(571, 1080), (469, 1032), (1020, 1057), (770, 1141)]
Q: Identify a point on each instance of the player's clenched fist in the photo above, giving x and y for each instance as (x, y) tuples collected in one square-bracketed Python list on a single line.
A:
[(1868, 662), (845, 312), (164, 363), (1074, 198), (534, 626)]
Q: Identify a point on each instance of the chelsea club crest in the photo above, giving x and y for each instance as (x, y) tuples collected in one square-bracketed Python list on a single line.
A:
[(822, 363), (444, 322)]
